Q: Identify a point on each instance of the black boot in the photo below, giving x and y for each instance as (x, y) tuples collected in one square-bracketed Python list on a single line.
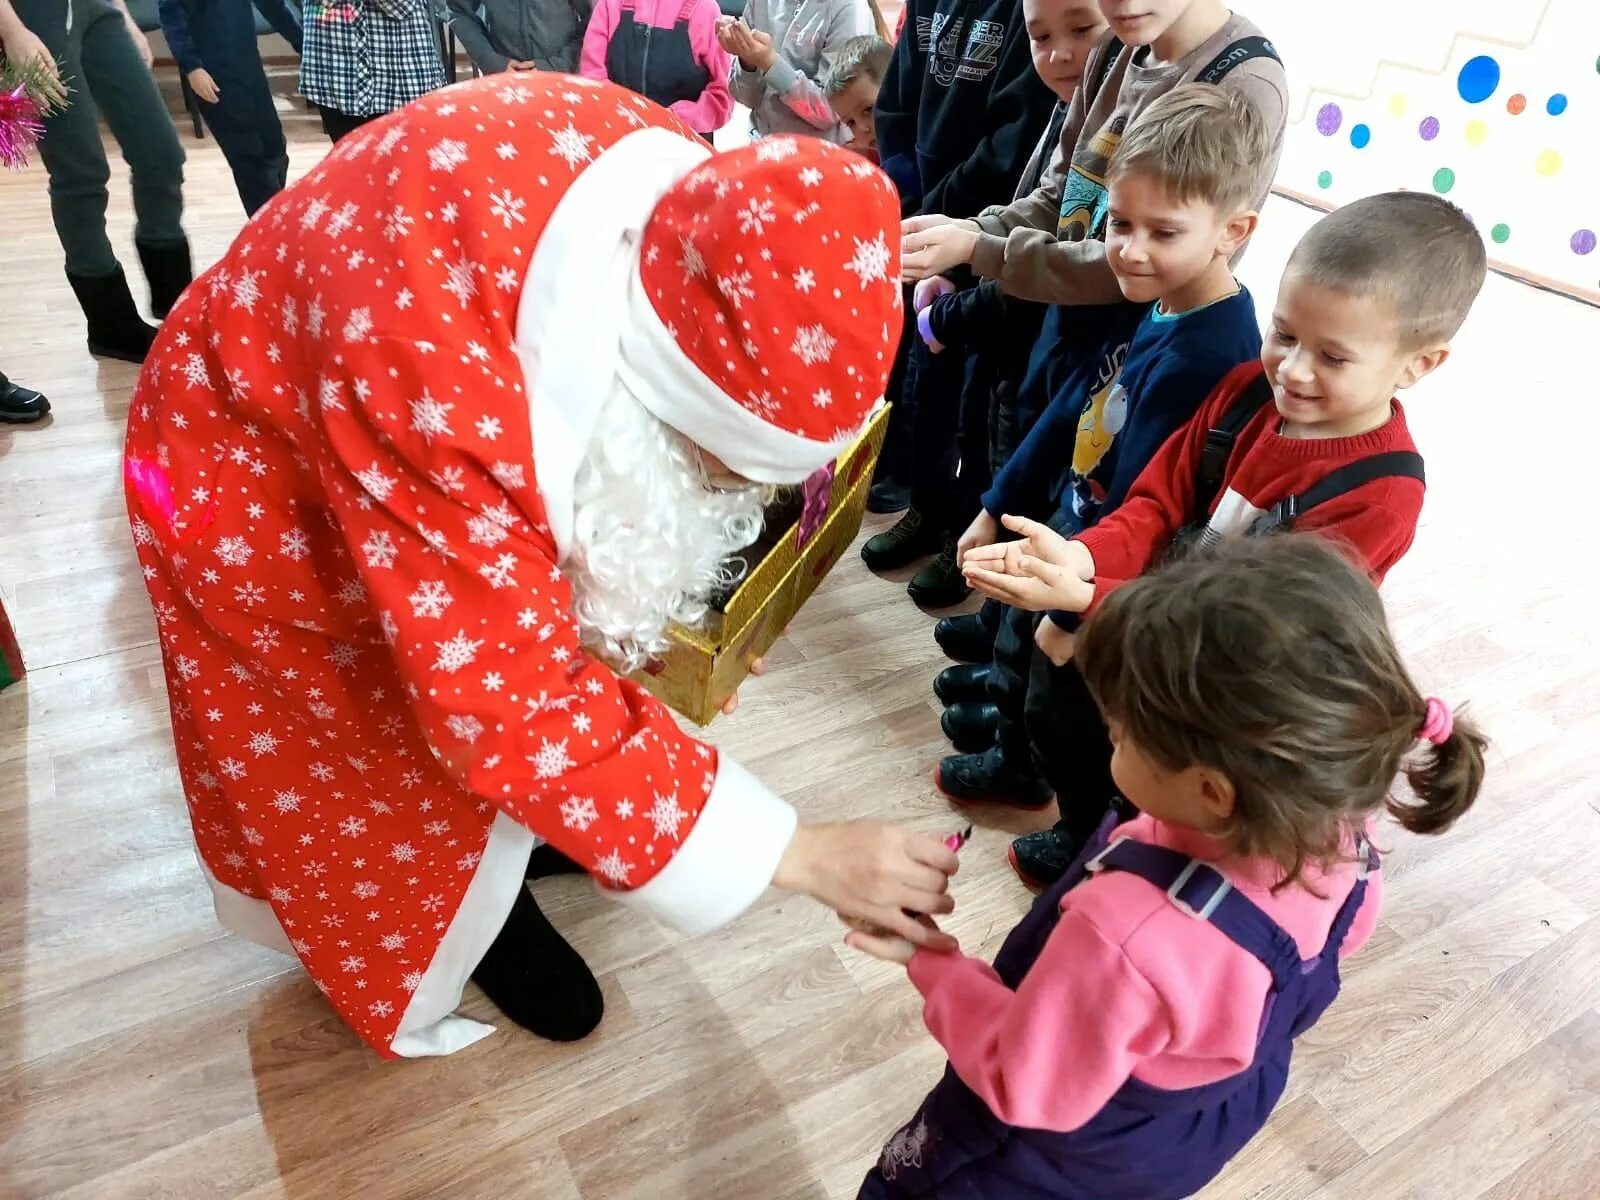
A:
[(537, 980), (1042, 858), (20, 405), (940, 584), (546, 860), (168, 270), (970, 725), (907, 540), (966, 682), (965, 638), (969, 778), (116, 330)]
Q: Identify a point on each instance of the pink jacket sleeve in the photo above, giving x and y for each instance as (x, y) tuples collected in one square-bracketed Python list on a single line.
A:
[(1052, 1053), (597, 39), (710, 112)]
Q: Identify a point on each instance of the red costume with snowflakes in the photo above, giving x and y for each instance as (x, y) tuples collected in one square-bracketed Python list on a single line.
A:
[(351, 462)]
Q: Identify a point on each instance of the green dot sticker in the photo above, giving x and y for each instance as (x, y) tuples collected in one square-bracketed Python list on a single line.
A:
[(1325, 180), (1500, 232), (1443, 180)]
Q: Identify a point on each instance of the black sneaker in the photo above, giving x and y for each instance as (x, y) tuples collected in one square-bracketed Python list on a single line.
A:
[(940, 584), (888, 496), (907, 540), (988, 777), (1041, 859), (969, 681), (20, 405), (970, 725), (965, 638)]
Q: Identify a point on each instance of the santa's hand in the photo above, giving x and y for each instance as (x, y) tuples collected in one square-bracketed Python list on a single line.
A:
[(731, 704), (874, 872), (887, 946)]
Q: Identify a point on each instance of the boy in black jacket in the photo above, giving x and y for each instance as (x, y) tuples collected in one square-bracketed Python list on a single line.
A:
[(958, 114)]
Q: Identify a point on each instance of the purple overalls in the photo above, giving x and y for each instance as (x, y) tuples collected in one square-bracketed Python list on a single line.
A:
[(1146, 1143)]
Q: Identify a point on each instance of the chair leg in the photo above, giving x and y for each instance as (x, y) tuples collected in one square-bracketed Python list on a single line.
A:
[(191, 102)]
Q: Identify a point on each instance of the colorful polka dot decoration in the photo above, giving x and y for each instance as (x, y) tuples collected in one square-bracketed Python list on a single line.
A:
[(1477, 81)]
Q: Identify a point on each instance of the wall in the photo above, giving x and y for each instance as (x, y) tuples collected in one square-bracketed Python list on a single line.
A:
[(1493, 103)]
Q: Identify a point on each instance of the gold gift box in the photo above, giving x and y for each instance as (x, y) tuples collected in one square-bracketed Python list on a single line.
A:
[(704, 667)]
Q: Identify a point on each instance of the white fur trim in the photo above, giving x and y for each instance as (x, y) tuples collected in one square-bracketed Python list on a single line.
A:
[(574, 303), (726, 861), (657, 371), (429, 1026), (250, 918)]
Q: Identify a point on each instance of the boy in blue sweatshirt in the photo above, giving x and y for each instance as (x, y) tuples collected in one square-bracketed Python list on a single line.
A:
[(1181, 187), (214, 43)]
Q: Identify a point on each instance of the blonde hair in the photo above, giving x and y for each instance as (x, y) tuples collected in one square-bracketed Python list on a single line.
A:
[(863, 56), (1417, 253), (1202, 141)]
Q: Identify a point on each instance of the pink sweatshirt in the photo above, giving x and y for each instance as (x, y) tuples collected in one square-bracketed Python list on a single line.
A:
[(708, 113), (1126, 986)]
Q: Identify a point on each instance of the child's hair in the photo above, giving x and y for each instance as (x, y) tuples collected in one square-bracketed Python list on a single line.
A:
[(1417, 253), (1270, 661), (1203, 142), (865, 55)]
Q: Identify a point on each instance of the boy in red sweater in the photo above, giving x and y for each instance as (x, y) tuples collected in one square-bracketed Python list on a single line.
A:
[(1311, 437)]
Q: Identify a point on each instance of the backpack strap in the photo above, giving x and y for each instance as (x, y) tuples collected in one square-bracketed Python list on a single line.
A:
[(1203, 893), (1220, 439), (1109, 49), (1393, 464), (1235, 54)]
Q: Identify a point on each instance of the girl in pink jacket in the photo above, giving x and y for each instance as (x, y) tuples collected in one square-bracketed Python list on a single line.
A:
[(1136, 1028), (667, 51)]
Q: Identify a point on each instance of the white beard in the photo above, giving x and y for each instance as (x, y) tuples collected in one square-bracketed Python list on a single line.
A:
[(649, 539)]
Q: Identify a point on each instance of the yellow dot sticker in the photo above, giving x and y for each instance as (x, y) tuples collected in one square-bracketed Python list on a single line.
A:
[(1477, 132), (1397, 105), (1548, 162)]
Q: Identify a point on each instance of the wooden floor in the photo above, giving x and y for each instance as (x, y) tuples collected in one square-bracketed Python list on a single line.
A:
[(144, 1052)]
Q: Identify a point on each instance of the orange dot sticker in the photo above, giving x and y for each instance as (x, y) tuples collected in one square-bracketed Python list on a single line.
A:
[(1515, 104)]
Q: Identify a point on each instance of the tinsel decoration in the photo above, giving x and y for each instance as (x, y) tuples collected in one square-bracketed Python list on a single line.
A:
[(28, 94)]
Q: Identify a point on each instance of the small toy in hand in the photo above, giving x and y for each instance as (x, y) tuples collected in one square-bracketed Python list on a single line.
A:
[(954, 842)]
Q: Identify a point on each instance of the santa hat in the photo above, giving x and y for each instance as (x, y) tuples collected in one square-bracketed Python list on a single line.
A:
[(764, 334), (767, 306)]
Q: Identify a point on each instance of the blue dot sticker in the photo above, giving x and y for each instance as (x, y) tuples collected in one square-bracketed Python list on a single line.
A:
[(1556, 105), (1478, 79), (1360, 135)]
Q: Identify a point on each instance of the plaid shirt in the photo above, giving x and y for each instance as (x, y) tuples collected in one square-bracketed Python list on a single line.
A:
[(368, 57)]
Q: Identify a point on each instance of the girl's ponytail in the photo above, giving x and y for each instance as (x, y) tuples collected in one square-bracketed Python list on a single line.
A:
[(1448, 774)]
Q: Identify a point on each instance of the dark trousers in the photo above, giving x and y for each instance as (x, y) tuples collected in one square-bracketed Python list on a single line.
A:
[(943, 487), (250, 136), (108, 76), (894, 460), (336, 124), (1048, 722)]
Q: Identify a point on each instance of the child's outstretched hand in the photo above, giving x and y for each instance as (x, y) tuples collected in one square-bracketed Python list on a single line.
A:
[(1042, 571), (888, 946)]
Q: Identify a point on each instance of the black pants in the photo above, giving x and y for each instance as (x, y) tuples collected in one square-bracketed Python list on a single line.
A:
[(336, 124), (250, 136), (894, 460), (108, 77), (1047, 720)]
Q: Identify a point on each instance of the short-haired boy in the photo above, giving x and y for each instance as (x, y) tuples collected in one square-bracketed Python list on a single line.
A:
[(1181, 196), (1312, 437), (851, 84)]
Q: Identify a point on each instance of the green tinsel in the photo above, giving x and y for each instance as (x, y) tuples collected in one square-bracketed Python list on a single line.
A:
[(48, 94)]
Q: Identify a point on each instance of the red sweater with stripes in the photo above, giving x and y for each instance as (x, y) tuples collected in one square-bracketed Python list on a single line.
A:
[(1377, 520)]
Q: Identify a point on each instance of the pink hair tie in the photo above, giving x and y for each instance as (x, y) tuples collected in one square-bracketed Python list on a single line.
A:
[(1437, 721)]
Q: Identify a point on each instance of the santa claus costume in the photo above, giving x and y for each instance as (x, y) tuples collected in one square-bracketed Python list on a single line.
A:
[(384, 478)]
